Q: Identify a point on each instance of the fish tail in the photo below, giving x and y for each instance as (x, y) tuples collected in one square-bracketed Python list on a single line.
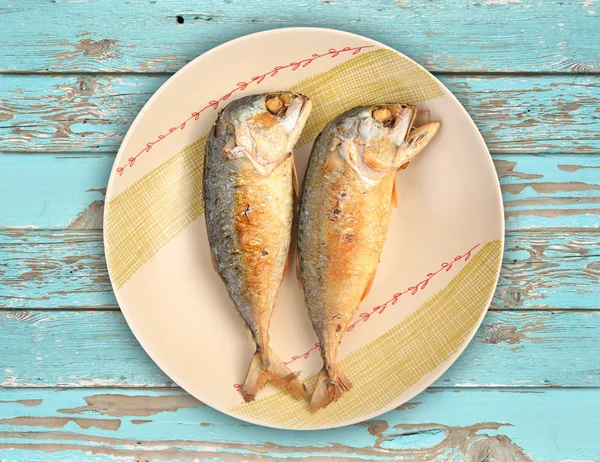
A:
[(266, 367), (329, 387)]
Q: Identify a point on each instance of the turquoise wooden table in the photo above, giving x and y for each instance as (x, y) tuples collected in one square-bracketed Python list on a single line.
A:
[(75, 383)]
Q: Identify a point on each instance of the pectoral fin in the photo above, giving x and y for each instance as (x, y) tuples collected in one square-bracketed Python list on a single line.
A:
[(369, 286), (332, 162), (295, 183), (395, 193), (287, 262)]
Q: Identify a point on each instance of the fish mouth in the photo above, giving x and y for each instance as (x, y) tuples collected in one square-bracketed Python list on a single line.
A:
[(370, 146), (390, 115), (288, 108), (277, 103)]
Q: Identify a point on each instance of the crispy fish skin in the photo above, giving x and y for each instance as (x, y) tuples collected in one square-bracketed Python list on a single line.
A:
[(248, 197), (345, 207)]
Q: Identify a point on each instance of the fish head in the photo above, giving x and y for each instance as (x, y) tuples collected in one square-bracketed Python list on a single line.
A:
[(266, 127), (370, 138)]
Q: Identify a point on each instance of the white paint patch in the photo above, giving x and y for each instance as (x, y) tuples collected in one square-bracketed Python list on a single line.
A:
[(502, 2), (133, 458), (589, 4), (96, 383), (11, 381), (22, 227)]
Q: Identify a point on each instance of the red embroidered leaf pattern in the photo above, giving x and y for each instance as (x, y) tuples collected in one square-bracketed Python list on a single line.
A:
[(241, 86), (412, 290)]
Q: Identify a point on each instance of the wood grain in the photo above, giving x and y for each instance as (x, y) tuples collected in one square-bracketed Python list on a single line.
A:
[(97, 348), (158, 36), (149, 425), (549, 270), (66, 270), (529, 114), (54, 270), (74, 74)]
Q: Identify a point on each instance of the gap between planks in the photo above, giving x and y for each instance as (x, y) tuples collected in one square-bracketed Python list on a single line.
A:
[(431, 389), (116, 308), (592, 73), (553, 230), (75, 154)]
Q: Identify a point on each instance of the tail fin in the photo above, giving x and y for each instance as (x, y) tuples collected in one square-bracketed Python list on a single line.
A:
[(328, 388), (266, 367)]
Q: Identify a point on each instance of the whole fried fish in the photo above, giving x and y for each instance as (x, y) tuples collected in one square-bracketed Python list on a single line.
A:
[(345, 207), (249, 179)]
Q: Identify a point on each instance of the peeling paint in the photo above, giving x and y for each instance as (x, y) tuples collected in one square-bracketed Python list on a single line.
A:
[(574, 168), (408, 406), (60, 422), (502, 2), (98, 49), (550, 187), (100, 190), (550, 213), (104, 48), (498, 333), (461, 443), (505, 168), (90, 218), (458, 443), (25, 402), (118, 405)]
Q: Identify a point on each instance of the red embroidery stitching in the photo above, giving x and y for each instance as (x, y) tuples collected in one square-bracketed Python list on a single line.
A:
[(241, 86), (366, 315)]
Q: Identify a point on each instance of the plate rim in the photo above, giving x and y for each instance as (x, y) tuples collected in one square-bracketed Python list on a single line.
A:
[(165, 368)]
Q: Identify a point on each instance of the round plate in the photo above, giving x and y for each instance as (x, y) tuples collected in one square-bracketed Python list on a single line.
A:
[(439, 266)]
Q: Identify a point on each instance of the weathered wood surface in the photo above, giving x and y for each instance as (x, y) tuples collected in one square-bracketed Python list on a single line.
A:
[(67, 190), (528, 114), (97, 348), (148, 36), (441, 425), (66, 270), (59, 322)]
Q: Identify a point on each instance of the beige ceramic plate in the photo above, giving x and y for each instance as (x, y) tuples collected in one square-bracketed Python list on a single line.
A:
[(439, 266)]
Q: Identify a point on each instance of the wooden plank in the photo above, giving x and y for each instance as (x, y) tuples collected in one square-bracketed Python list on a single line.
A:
[(66, 270), (67, 190), (58, 191), (54, 270), (442, 424), (550, 191), (533, 114), (157, 36), (530, 115), (549, 270), (70, 113), (96, 348)]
